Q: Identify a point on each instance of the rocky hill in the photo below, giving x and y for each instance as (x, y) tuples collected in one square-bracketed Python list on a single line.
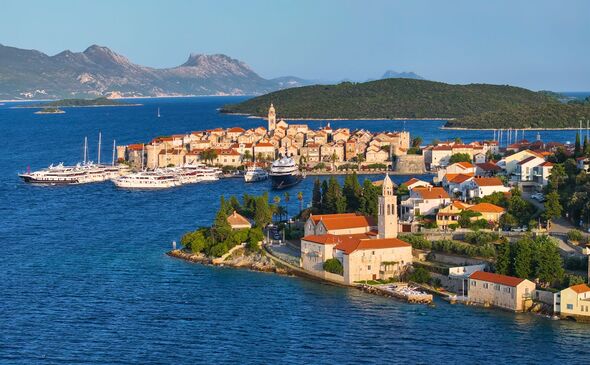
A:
[(98, 71)]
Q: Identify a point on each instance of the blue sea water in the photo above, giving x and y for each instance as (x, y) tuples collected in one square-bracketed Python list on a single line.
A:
[(84, 278)]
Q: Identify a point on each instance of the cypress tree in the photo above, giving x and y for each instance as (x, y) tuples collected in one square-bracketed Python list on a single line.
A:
[(316, 199), (353, 192), (335, 202), (549, 264), (369, 199), (324, 198), (523, 257), (577, 147), (503, 259)]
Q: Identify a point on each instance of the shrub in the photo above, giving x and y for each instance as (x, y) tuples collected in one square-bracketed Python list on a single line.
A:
[(569, 280), (481, 238), (417, 241), (255, 235), (420, 275), (575, 235), (334, 266)]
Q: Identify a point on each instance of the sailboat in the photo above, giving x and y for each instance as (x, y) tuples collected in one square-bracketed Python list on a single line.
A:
[(158, 112)]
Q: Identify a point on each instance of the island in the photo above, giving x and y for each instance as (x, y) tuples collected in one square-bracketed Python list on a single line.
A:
[(476, 106), (78, 103), (50, 111)]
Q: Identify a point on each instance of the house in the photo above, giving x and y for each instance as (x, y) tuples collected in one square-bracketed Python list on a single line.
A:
[(264, 151), (456, 184), (490, 212), (424, 201), (510, 163), (414, 183), (338, 224), (573, 302), (375, 154), (487, 169), (437, 156), (500, 291), (364, 255), (450, 214), (541, 173), (524, 169), (484, 186), (237, 221), (227, 157)]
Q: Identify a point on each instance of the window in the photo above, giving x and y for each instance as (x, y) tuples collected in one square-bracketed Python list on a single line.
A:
[(570, 306), (473, 283), (497, 287), (485, 285), (369, 267)]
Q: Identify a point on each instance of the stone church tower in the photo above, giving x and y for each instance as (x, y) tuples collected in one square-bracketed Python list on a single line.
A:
[(387, 220), (272, 119)]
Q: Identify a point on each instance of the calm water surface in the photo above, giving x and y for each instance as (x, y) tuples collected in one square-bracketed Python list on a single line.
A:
[(84, 277)]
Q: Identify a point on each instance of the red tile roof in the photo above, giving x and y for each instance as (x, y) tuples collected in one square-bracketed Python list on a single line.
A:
[(316, 218), (488, 181), (349, 245), (496, 278), (431, 193), (580, 288), (135, 147), (486, 208), (356, 221), (236, 130), (489, 166)]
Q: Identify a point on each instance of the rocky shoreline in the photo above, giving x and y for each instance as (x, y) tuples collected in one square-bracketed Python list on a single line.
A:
[(239, 259)]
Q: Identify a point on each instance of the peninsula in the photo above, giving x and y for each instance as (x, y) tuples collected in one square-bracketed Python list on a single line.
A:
[(80, 103), (465, 106)]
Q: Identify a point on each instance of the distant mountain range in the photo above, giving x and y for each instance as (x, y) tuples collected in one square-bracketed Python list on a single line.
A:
[(98, 71)]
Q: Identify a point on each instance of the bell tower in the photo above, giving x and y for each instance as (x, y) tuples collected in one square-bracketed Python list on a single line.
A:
[(272, 119), (387, 220)]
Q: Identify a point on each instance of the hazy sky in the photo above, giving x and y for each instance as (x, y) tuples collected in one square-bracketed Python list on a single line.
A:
[(536, 44)]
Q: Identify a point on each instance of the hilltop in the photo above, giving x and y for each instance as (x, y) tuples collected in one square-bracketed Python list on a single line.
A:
[(99, 71), (390, 98)]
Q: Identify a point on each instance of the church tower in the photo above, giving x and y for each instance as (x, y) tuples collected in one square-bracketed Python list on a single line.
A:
[(387, 220), (272, 119)]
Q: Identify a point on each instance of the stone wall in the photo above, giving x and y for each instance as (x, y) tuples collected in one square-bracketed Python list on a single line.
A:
[(410, 164)]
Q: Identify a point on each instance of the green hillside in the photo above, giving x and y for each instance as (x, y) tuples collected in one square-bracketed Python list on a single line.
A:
[(390, 98)]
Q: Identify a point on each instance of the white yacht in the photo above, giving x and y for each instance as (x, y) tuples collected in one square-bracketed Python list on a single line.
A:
[(204, 173), (284, 173), (147, 180), (255, 173), (57, 175)]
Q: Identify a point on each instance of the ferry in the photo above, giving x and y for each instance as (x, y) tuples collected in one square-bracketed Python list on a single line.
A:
[(147, 180), (255, 174), (284, 173), (203, 173)]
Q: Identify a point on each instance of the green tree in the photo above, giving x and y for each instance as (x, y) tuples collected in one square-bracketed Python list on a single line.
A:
[(420, 275), (369, 199), (324, 193), (263, 212), (577, 146), (335, 202), (417, 141), (255, 235), (287, 198), (353, 192), (316, 199), (221, 228), (523, 256), (300, 198), (333, 266), (503, 258), (248, 156), (195, 241), (553, 208), (557, 176), (549, 266), (460, 157), (402, 190)]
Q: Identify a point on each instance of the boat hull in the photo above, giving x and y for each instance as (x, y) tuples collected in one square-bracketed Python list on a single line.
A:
[(284, 181)]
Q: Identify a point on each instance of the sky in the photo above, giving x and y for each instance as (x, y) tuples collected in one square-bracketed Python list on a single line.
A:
[(537, 44)]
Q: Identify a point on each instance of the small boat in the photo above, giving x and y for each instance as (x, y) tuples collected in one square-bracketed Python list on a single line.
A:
[(158, 112), (255, 174)]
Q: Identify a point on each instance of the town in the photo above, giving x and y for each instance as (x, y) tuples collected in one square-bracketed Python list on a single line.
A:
[(488, 225)]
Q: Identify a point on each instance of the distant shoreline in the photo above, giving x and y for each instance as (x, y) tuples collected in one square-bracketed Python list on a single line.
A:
[(69, 106), (526, 129)]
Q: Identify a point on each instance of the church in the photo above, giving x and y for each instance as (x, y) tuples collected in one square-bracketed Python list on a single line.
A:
[(365, 250)]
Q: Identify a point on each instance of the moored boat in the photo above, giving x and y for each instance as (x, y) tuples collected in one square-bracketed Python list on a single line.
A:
[(284, 173)]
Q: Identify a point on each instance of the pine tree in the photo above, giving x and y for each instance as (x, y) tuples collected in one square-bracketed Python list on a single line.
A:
[(503, 259), (523, 257), (352, 190), (369, 199), (334, 202), (577, 147), (549, 264), (263, 212), (324, 193), (316, 200), (586, 147), (553, 208), (221, 227)]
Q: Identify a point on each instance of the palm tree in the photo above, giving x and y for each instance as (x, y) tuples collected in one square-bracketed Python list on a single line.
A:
[(333, 159), (277, 201), (300, 198), (247, 155), (287, 198), (360, 158)]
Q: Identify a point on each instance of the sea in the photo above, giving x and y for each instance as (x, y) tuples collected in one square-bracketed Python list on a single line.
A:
[(84, 278)]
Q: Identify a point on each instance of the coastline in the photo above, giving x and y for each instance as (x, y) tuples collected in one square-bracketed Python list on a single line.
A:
[(71, 106), (526, 129)]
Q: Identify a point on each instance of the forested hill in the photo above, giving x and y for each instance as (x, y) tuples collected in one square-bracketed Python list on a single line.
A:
[(390, 98)]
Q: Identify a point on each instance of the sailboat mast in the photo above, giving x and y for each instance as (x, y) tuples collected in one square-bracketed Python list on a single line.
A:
[(85, 149), (114, 146), (99, 142)]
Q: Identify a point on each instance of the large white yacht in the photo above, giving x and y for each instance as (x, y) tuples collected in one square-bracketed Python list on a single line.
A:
[(57, 175), (255, 173), (284, 173), (203, 172), (147, 180)]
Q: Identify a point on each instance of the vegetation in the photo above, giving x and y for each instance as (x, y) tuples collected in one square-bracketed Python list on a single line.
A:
[(420, 275), (390, 98), (83, 102), (329, 197), (450, 246), (459, 157), (334, 266), (526, 115)]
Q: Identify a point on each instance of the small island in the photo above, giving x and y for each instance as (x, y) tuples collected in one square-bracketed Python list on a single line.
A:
[(50, 111), (78, 103)]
